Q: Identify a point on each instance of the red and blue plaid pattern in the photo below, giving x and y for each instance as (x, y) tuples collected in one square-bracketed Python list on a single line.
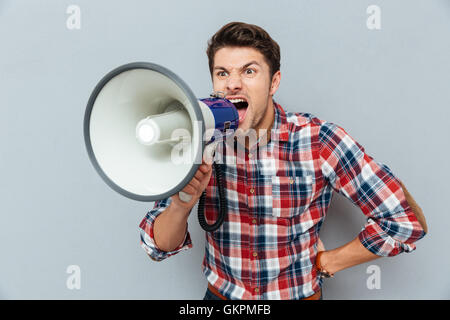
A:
[(278, 196)]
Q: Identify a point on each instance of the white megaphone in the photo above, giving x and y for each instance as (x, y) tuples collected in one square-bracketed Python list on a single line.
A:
[(146, 133)]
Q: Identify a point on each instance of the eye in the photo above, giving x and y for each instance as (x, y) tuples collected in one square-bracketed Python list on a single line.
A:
[(250, 71), (221, 74)]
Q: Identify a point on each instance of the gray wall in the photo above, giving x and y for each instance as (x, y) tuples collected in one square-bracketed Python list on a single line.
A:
[(388, 88)]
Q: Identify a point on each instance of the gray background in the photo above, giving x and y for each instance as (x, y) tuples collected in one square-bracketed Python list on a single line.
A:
[(388, 88)]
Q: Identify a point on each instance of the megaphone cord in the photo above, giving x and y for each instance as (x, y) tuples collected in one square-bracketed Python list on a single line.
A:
[(223, 209)]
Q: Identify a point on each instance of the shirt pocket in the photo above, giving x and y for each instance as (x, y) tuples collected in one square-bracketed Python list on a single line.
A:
[(291, 196)]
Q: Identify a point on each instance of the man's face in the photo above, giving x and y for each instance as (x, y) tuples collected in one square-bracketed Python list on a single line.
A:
[(243, 75)]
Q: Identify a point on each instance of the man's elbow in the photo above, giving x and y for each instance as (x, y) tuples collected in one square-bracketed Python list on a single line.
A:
[(421, 218), (415, 208)]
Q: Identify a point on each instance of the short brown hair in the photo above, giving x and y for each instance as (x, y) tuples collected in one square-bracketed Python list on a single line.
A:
[(240, 34)]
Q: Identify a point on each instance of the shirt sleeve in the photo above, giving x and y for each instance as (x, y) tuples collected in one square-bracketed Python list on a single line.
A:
[(147, 237), (392, 227)]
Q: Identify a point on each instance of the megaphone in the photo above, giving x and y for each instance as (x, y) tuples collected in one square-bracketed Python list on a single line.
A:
[(146, 133)]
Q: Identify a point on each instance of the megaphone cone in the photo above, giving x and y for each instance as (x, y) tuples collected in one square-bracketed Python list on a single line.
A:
[(137, 115)]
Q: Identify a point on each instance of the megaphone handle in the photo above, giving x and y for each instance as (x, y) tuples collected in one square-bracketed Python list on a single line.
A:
[(223, 209), (185, 197), (209, 152)]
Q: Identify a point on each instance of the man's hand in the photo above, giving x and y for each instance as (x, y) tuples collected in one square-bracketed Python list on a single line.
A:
[(195, 187), (346, 256), (354, 253)]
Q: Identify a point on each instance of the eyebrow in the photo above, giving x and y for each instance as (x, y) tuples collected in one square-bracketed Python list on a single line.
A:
[(243, 67)]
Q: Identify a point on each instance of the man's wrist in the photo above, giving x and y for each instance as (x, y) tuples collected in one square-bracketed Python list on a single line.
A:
[(178, 211), (324, 263)]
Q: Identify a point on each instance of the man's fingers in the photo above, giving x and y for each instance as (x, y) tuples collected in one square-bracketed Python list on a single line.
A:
[(205, 168), (189, 189), (194, 183), (202, 172), (193, 187), (199, 175)]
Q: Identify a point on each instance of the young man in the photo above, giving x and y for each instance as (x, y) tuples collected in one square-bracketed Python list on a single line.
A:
[(279, 189)]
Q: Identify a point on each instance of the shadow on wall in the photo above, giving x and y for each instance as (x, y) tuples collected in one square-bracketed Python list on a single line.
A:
[(343, 223)]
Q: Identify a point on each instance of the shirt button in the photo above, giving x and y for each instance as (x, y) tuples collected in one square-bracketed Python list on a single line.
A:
[(291, 180), (252, 190), (254, 221), (250, 155), (255, 254), (256, 290)]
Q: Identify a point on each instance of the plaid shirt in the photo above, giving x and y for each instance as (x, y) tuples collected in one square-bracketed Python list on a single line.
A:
[(278, 196)]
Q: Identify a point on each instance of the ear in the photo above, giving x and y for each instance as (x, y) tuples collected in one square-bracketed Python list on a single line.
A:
[(276, 78)]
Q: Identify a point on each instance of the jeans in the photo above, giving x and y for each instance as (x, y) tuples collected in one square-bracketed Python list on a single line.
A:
[(211, 296)]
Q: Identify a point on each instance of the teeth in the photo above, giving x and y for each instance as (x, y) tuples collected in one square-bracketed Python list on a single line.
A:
[(236, 100)]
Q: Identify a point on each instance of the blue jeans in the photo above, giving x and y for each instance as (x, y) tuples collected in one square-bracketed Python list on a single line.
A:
[(210, 296)]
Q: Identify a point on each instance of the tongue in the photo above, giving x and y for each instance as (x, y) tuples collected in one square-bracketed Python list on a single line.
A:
[(242, 113)]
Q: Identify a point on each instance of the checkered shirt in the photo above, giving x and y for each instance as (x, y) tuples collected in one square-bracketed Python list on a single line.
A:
[(278, 195)]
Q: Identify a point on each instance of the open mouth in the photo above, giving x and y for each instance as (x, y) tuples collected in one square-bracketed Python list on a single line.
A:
[(241, 106)]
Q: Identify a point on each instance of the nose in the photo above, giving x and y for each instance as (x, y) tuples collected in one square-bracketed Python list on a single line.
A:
[(234, 83)]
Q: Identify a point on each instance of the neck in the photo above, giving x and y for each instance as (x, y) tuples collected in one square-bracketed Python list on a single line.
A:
[(267, 122), (265, 125)]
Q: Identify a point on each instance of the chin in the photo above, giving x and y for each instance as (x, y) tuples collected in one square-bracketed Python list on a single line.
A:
[(244, 126)]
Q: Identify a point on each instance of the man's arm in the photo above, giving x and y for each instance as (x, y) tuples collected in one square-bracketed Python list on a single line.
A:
[(170, 226), (164, 229), (346, 256), (395, 221), (354, 253), (415, 207)]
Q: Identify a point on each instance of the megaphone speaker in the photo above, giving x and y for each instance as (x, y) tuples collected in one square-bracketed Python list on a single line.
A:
[(138, 117)]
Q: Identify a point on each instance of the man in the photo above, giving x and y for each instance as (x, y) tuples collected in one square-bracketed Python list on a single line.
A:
[(279, 189)]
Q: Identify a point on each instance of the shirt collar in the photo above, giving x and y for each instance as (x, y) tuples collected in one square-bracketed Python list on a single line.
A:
[(280, 128)]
